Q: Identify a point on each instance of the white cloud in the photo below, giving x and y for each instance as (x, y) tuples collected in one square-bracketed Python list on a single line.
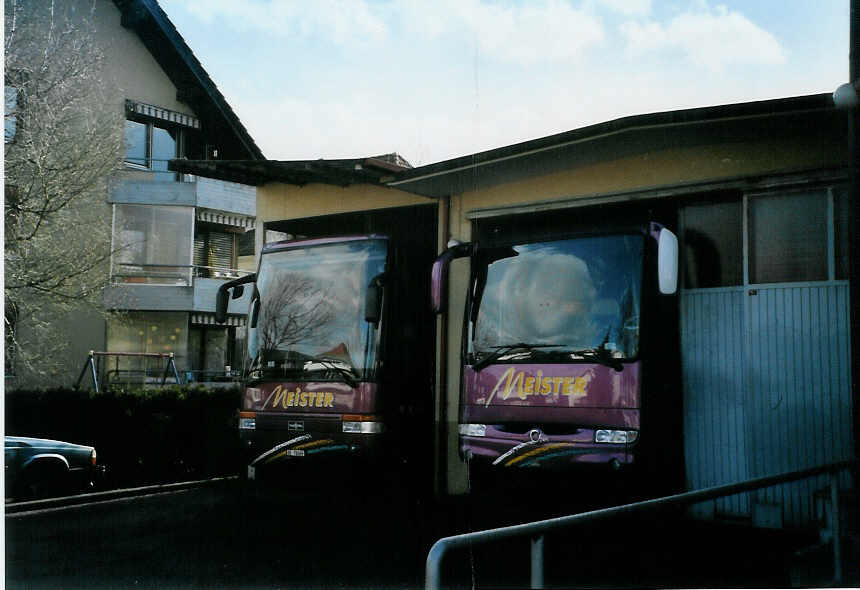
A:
[(512, 32), (429, 98), (628, 7), (339, 21), (522, 33), (713, 39)]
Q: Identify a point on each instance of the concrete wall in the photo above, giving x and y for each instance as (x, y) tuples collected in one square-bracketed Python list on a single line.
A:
[(277, 202), (131, 69), (226, 196), (659, 169)]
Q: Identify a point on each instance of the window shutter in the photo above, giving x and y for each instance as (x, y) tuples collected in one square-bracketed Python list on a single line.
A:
[(220, 251)]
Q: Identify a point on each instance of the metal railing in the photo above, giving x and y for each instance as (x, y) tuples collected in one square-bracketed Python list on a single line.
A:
[(153, 274), (211, 375), (146, 166), (536, 530), (172, 274), (92, 367), (219, 272)]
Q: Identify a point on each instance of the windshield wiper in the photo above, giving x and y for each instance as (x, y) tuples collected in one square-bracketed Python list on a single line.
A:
[(346, 371), (500, 351), (600, 355)]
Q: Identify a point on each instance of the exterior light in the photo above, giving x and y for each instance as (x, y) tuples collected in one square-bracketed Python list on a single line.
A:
[(247, 420), (473, 429), (616, 436), (362, 424), (845, 97)]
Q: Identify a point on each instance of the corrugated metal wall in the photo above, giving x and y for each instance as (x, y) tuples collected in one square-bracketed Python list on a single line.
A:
[(715, 398), (799, 374), (712, 328), (767, 382)]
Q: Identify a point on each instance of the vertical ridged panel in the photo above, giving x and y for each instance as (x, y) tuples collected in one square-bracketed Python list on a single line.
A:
[(712, 329), (799, 411), (767, 389)]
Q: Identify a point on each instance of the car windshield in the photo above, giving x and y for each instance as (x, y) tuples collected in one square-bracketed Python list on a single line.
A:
[(309, 311), (561, 297)]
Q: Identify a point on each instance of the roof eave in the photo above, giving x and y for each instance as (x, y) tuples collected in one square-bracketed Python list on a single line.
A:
[(192, 67), (815, 102)]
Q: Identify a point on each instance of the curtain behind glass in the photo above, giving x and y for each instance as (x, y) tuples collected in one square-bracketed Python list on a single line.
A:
[(152, 244), (162, 332)]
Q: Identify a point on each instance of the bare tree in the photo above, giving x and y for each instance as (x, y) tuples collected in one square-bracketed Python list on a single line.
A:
[(63, 139), (295, 309)]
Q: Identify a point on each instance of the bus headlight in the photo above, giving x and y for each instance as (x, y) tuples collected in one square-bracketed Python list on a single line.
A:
[(616, 436), (473, 429), (361, 424), (247, 420)]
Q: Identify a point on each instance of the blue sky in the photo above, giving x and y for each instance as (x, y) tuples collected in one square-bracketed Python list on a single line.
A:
[(433, 80)]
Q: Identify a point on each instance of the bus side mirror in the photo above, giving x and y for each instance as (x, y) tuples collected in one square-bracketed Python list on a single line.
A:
[(255, 313), (439, 275), (222, 296), (373, 300), (667, 262), (221, 304)]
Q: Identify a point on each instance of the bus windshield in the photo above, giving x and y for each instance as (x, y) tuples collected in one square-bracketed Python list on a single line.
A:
[(309, 311), (557, 298)]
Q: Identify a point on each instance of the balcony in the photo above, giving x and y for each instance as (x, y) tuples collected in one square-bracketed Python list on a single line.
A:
[(157, 287), (235, 202), (175, 243)]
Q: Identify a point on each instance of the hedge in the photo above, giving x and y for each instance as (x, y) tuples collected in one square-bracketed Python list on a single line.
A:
[(142, 436)]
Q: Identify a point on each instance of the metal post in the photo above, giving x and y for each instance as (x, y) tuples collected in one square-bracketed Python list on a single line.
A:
[(93, 369), (834, 527), (433, 571), (175, 372), (166, 369), (88, 363), (537, 580)]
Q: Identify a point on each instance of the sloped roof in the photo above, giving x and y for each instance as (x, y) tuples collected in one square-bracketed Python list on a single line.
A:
[(194, 86), (611, 139), (614, 138)]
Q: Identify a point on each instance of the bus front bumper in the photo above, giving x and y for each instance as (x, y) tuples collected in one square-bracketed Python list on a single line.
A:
[(554, 452)]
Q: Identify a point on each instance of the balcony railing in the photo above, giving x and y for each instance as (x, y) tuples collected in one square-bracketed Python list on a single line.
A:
[(152, 274), (157, 168), (144, 186), (181, 275), (219, 272)]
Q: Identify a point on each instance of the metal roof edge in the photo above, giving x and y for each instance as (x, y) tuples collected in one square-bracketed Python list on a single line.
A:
[(754, 109)]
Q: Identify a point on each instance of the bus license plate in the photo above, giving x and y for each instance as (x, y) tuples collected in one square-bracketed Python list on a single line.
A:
[(295, 453)]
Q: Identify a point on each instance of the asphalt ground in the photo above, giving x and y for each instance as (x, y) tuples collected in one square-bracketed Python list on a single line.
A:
[(351, 532)]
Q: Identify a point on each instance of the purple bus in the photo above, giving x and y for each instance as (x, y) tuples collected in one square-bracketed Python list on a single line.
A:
[(566, 340), (329, 330)]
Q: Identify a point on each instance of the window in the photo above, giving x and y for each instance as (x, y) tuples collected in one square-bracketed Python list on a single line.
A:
[(842, 222), (152, 244), (713, 252), (788, 238), (211, 349), (214, 252), (161, 332), (245, 243), (151, 147), (10, 114)]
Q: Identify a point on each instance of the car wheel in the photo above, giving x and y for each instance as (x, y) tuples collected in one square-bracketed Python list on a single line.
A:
[(43, 480)]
